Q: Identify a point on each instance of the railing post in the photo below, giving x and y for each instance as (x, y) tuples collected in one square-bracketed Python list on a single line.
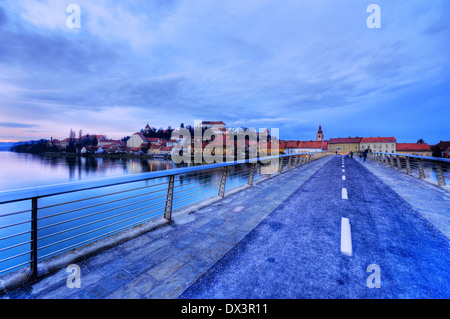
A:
[(440, 174), (391, 159), (289, 162), (169, 199), (295, 161), (280, 165), (252, 174), (34, 255), (421, 172), (222, 182), (408, 165), (399, 164)]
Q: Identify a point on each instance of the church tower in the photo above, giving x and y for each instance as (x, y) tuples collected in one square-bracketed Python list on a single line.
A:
[(319, 134), (147, 129)]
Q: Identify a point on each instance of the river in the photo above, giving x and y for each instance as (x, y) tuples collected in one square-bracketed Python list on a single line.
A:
[(21, 170), (69, 220)]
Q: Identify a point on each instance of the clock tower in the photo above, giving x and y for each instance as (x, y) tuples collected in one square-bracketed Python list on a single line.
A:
[(319, 136)]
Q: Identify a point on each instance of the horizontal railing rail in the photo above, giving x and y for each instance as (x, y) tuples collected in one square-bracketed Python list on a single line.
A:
[(435, 170), (41, 222)]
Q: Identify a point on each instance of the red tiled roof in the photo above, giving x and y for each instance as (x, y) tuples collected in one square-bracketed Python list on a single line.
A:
[(140, 135), (310, 144), (442, 145), (424, 147), (213, 122), (378, 140)]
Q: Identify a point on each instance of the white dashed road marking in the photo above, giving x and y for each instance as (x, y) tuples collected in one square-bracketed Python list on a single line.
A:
[(346, 237), (344, 193)]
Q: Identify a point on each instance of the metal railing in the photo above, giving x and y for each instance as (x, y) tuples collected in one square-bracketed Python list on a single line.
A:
[(435, 170), (42, 222)]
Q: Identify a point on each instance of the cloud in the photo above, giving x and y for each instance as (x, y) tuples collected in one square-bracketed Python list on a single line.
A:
[(256, 62), (17, 125)]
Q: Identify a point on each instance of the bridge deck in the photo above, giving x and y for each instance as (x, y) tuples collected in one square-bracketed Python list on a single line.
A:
[(281, 239)]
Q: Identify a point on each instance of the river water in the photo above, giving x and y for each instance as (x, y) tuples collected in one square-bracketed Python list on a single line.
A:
[(69, 220), (20, 170)]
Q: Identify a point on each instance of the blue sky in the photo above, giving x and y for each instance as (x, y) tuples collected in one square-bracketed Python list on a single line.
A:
[(285, 64)]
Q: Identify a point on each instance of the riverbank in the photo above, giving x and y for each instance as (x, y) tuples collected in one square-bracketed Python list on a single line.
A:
[(110, 156)]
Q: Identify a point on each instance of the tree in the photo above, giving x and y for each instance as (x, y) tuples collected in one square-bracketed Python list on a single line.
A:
[(72, 136), (71, 146), (420, 141)]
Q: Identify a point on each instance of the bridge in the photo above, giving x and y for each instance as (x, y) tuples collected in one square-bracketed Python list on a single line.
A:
[(310, 225)]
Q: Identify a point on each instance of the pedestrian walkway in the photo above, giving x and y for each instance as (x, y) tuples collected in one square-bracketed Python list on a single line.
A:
[(296, 252), (166, 261), (432, 201)]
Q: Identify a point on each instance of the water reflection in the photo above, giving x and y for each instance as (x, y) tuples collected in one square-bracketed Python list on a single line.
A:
[(71, 219), (18, 170)]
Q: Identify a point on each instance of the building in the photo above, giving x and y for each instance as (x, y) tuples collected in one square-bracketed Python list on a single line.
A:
[(422, 149), (165, 150), (153, 140), (442, 149), (344, 145), (379, 144), (218, 127), (291, 147), (102, 143), (147, 129), (91, 149), (319, 136), (171, 143), (136, 140), (154, 149)]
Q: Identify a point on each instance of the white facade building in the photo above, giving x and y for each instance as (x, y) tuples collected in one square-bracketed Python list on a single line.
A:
[(379, 144), (136, 140)]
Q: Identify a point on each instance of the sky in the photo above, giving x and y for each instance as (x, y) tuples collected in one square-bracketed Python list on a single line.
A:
[(291, 65)]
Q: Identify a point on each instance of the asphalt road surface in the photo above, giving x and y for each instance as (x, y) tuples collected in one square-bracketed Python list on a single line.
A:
[(296, 251)]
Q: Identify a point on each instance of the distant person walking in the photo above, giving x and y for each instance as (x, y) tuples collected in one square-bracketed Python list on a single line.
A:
[(365, 154), (351, 154)]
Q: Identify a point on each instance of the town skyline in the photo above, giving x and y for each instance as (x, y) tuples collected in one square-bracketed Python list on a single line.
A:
[(254, 64), (308, 136)]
